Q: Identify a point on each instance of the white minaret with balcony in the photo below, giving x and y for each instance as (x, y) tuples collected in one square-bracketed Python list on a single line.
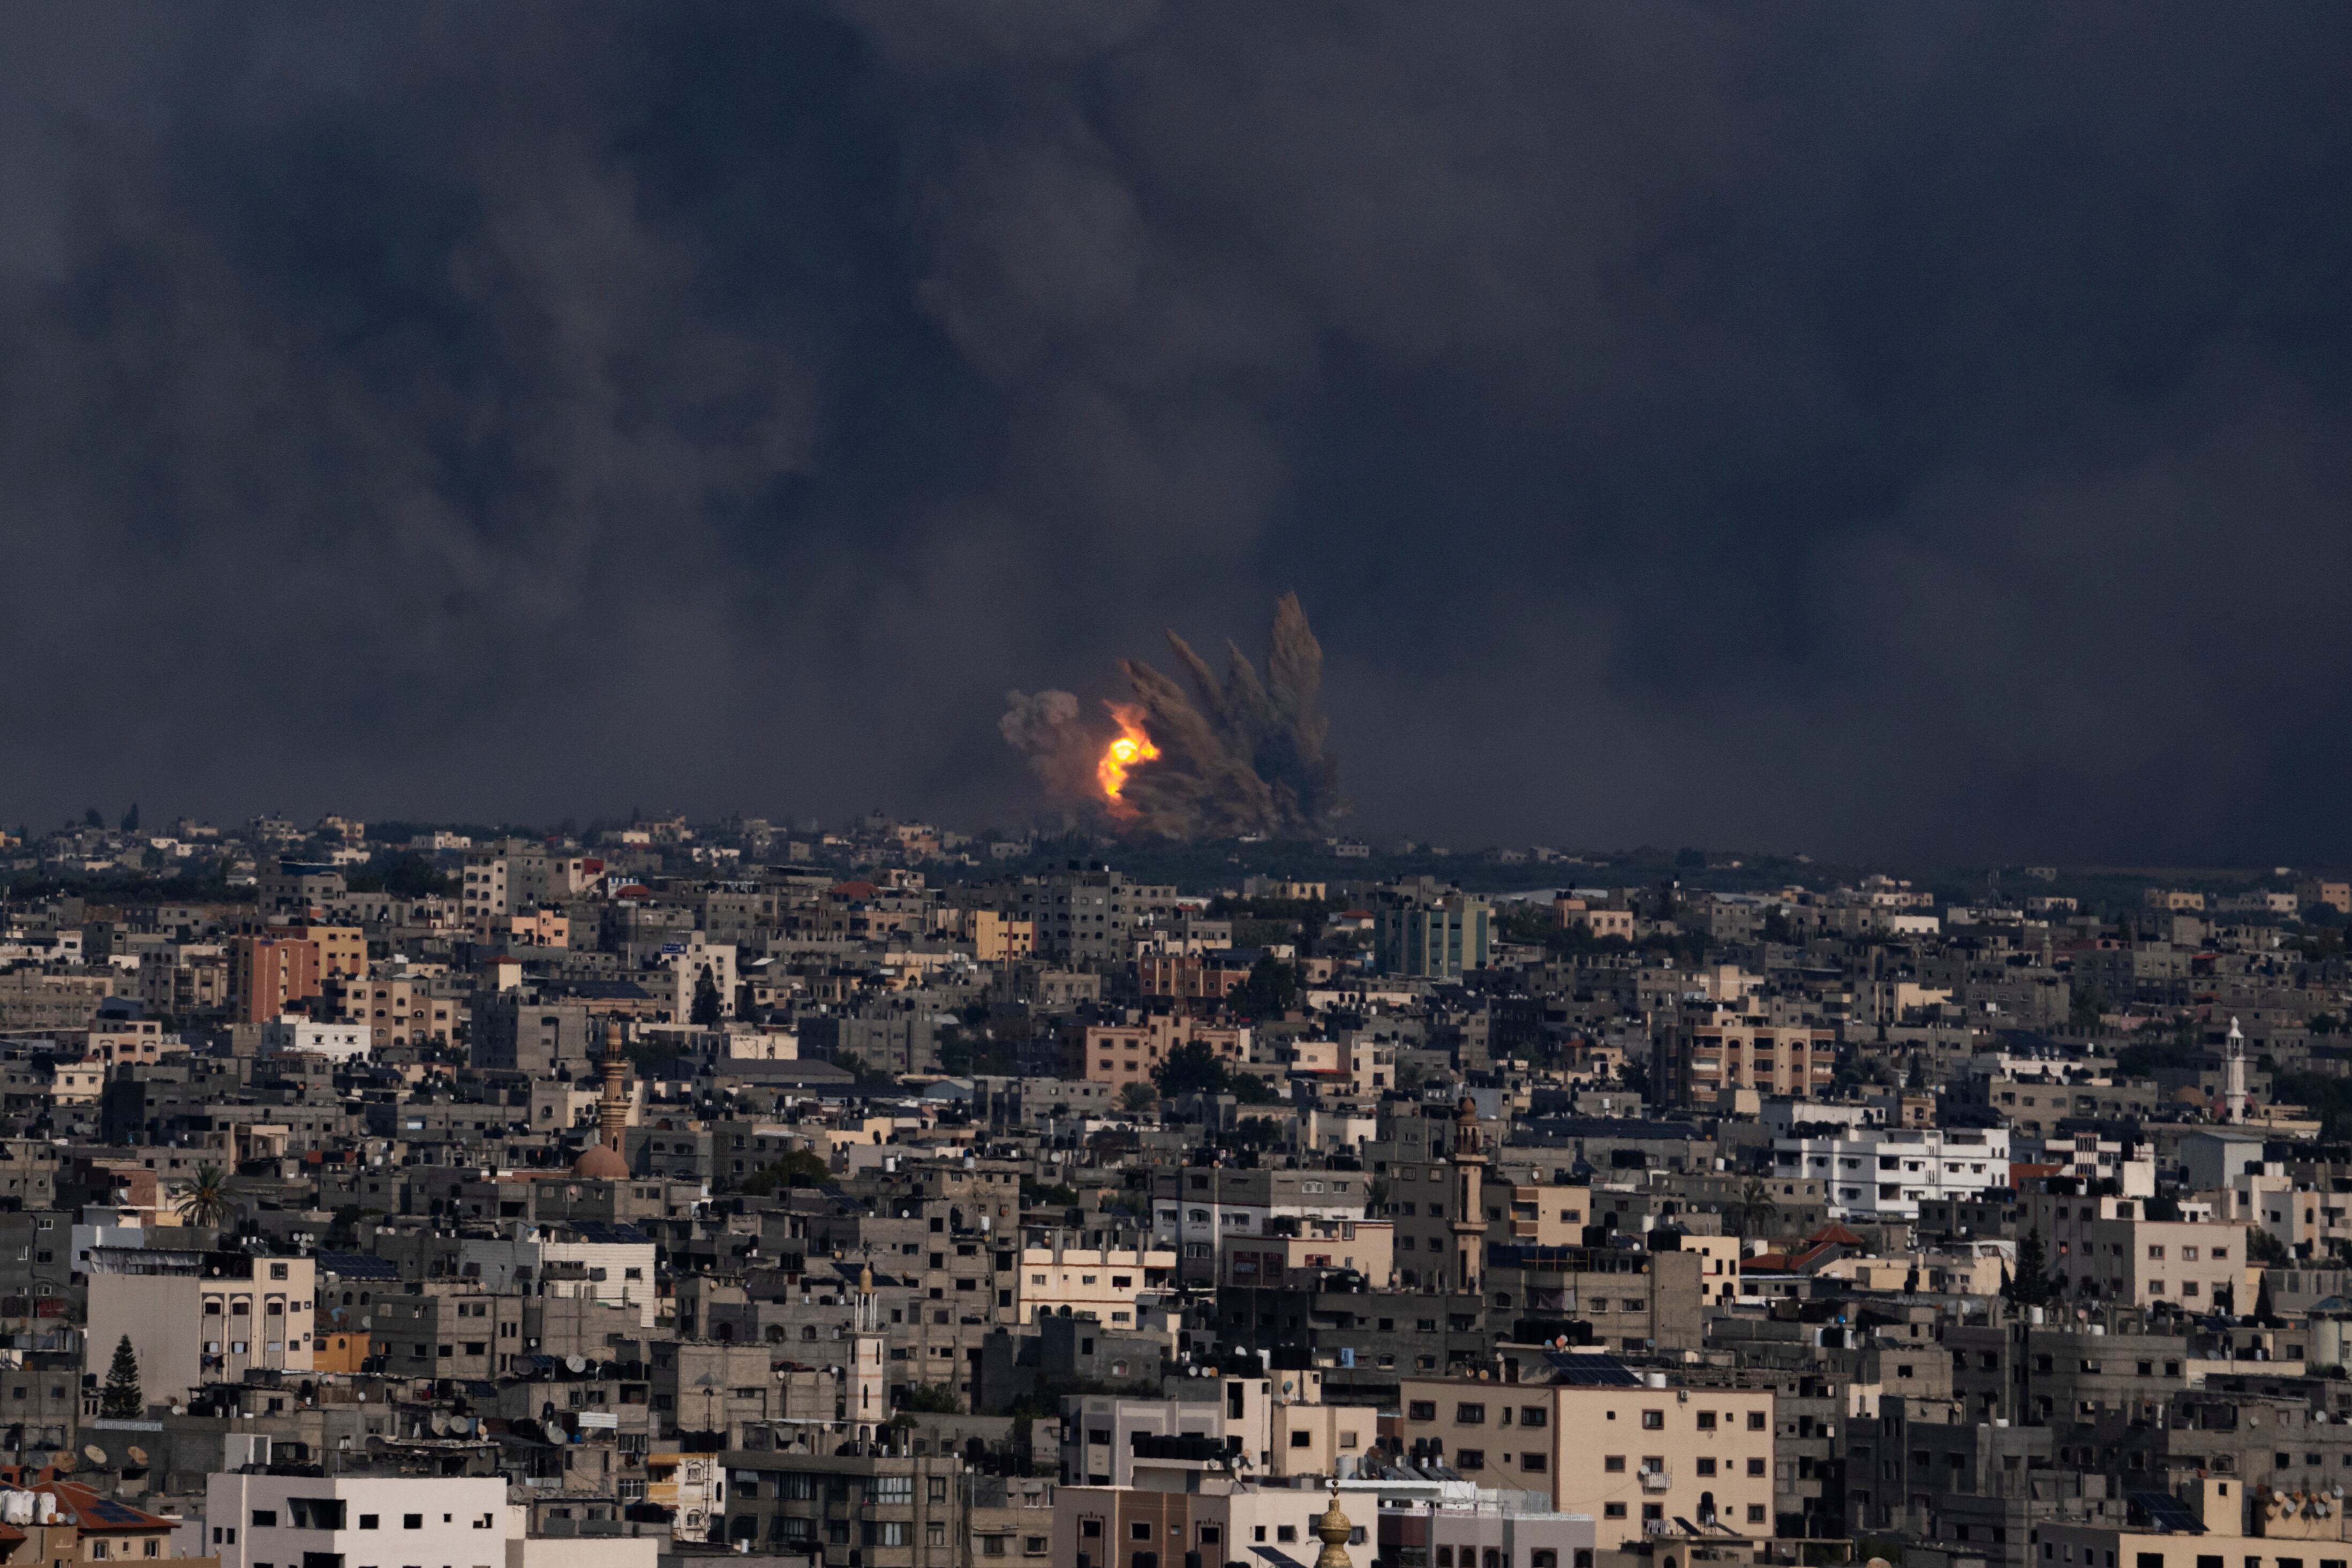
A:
[(2233, 1075)]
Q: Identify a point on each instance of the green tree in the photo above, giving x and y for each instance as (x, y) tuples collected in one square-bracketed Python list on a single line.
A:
[(1191, 1068), (1270, 991), (121, 1400), (1755, 1210), (204, 1199), (867, 1079), (93, 817), (1249, 1088), (1138, 1098), (801, 1168), (706, 1011), (131, 818)]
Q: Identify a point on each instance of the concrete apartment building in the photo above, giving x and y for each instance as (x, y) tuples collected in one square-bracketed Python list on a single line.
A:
[(1275, 1424), (1296, 1252), (1101, 1282), (401, 1010), (448, 1521), (878, 1510), (516, 875), (1630, 1298), (2106, 1251), (195, 1317), (1718, 1048), (447, 1331), (1139, 1527), (1879, 1173), (1129, 1052), (608, 1263), (1194, 1209), (1087, 915), (1429, 933), (267, 974), (1633, 1452)]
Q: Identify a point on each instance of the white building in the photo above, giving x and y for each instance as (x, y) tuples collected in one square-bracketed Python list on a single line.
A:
[(1880, 1174), (390, 1521), (438, 1523), (612, 1263), (336, 1041)]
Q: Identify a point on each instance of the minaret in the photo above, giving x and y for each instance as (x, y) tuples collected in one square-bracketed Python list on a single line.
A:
[(1333, 1528), (2233, 1075), (613, 1109), (1469, 1221), (606, 1160), (867, 1401)]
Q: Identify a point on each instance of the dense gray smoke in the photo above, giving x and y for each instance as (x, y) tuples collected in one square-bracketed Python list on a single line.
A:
[(1238, 755), (1045, 728)]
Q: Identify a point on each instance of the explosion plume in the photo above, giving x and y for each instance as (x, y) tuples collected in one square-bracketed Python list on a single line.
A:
[(1236, 755)]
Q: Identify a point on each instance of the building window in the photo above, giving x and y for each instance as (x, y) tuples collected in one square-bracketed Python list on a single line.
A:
[(1654, 1420)]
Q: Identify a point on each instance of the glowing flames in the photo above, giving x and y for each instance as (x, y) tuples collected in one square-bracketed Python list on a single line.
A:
[(1132, 746)]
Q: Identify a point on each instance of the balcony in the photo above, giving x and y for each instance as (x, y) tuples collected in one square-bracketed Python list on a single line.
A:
[(1656, 1481)]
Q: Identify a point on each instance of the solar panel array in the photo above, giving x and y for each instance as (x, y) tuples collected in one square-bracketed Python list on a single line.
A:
[(1590, 1371), (2168, 1513)]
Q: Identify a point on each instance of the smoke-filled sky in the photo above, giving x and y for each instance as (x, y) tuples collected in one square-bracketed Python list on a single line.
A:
[(1859, 429)]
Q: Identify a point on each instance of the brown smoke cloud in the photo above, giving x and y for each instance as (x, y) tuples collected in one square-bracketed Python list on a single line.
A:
[(1236, 755)]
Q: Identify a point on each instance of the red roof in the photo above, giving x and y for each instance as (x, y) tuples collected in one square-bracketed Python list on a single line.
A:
[(854, 890), (80, 1504)]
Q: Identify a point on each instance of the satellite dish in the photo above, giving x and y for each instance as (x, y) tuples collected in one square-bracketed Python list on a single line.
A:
[(93, 1453), (440, 1425), (575, 1363), (138, 1455), (61, 1460), (461, 1424)]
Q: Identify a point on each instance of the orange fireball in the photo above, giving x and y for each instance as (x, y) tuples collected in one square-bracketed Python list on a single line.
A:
[(1132, 746)]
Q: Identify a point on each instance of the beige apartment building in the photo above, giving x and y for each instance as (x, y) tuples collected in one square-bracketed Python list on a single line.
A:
[(1121, 1054), (1630, 1454), (1099, 1282), (1527, 1213), (343, 950), (1114, 1527), (999, 937), (1292, 1253), (194, 1318), (400, 1012), (2104, 1251), (1718, 1049)]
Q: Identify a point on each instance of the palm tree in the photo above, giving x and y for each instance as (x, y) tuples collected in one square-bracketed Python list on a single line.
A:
[(1755, 1209), (203, 1199)]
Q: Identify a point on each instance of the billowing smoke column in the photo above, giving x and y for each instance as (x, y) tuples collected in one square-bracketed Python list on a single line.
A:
[(1237, 754)]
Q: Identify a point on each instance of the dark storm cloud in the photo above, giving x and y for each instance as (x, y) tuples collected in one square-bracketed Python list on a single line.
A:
[(1854, 429)]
